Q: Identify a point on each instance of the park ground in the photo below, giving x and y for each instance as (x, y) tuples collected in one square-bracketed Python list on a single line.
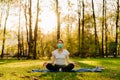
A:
[(21, 70)]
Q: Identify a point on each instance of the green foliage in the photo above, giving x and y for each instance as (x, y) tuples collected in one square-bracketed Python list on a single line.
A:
[(10, 44), (46, 44), (112, 47)]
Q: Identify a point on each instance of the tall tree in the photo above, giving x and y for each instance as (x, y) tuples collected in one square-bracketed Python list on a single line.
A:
[(82, 45), (95, 29), (30, 42), (4, 37), (22, 42), (26, 20), (79, 15), (94, 26), (117, 26), (103, 21), (19, 41), (106, 31), (58, 19), (26, 25), (35, 31), (69, 26)]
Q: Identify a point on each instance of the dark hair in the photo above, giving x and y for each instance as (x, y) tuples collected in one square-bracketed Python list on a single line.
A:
[(60, 40)]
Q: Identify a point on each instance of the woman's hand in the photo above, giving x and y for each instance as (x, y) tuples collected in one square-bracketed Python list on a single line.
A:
[(45, 63), (75, 64), (51, 62)]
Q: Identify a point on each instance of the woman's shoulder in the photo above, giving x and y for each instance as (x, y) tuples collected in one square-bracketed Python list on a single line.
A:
[(54, 51), (66, 51)]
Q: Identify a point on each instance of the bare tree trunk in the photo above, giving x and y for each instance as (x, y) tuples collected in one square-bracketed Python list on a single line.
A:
[(30, 31), (3, 44), (19, 30), (82, 46), (106, 37), (117, 26), (102, 54), (94, 26), (22, 44), (96, 36), (68, 26), (35, 32), (58, 20), (79, 14), (26, 20)]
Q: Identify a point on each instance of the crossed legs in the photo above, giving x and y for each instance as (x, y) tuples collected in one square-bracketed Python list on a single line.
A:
[(64, 68)]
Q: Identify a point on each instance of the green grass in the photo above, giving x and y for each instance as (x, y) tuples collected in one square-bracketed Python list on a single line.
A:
[(18, 70)]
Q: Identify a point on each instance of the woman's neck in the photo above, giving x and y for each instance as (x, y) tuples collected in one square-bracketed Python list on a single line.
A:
[(60, 50)]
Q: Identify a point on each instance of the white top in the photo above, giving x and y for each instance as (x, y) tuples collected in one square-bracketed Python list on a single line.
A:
[(60, 57)]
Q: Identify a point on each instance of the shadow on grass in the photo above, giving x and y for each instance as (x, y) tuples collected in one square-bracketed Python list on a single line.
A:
[(85, 65), (59, 76), (6, 61)]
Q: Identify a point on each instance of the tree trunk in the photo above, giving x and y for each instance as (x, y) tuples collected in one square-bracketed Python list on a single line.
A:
[(102, 54), (26, 20), (79, 49), (22, 44), (58, 20), (117, 26), (106, 37), (97, 47), (94, 26), (82, 46), (3, 44), (30, 31), (19, 30), (35, 32)]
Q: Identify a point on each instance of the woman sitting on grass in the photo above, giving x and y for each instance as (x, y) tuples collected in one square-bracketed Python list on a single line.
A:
[(59, 58)]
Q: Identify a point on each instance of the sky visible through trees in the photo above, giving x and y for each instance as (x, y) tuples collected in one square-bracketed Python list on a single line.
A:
[(47, 23)]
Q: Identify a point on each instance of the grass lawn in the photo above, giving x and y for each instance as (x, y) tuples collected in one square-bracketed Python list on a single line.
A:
[(18, 70)]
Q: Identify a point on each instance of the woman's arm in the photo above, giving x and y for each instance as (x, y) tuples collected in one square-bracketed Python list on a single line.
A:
[(69, 61), (52, 59), (51, 62)]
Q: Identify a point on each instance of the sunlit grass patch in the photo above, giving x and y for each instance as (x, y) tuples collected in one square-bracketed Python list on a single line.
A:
[(90, 62), (23, 64)]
